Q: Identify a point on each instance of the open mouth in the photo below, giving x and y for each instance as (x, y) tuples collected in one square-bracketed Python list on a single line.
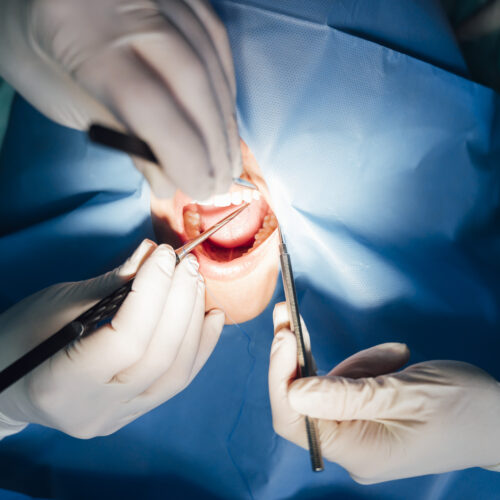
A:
[(237, 247)]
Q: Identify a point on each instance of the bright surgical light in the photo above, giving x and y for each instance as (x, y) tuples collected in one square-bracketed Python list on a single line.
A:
[(325, 252)]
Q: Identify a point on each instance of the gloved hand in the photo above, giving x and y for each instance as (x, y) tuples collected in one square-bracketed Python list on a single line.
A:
[(159, 68), (152, 349), (429, 418)]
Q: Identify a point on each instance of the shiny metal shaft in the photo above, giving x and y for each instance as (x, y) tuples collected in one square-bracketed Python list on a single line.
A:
[(190, 245), (243, 182), (304, 355)]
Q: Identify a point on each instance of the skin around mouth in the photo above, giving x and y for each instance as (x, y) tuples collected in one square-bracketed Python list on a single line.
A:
[(240, 261)]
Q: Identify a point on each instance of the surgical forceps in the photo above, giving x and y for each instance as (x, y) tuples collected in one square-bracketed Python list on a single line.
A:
[(304, 356), (131, 144), (88, 321)]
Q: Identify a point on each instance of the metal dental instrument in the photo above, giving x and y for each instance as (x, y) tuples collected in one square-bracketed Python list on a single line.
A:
[(135, 146), (304, 356), (244, 183), (90, 319), (191, 245)]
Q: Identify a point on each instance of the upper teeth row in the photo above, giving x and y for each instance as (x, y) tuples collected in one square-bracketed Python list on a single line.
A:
[(236, 198)]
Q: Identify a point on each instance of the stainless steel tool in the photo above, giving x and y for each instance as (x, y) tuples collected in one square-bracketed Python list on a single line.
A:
[(304, 356)]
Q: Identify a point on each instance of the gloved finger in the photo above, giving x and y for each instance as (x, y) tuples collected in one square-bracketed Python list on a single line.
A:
[(161, 390), (60, 304), (140, 98), (183, 16), (339, 398), (282, 370), (280, 317), (173, 378), (340, 443), (181, 367), (91, 291), (212, 328), (121, 343), (220, 40), (170, 330), (377, 360), (337, 438), (282, 320), (161, 185), (189, 80), (218, 34), (130, 267)]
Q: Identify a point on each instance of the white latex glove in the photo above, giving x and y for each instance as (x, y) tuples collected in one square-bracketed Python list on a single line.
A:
[(152, 349), (379, 425), (160, 68)]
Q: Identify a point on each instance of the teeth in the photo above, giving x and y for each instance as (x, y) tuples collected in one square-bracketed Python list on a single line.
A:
[(270, 222), (222, 200), (236, 198), (208, 202), (192, 221), (247, 196), (191, 215)]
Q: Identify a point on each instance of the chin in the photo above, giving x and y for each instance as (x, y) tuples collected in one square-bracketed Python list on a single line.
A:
[(240, 262)]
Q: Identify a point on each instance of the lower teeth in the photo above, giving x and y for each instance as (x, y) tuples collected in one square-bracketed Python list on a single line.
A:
[(269, 224)]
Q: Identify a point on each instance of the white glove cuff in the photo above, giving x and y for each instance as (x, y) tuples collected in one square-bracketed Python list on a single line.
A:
[(9, 426)]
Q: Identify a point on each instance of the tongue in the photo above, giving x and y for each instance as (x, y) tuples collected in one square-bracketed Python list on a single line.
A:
[(240, 230)]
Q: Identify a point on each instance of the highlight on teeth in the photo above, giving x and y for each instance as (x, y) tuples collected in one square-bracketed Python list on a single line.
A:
[(192, 221), (235, 198)]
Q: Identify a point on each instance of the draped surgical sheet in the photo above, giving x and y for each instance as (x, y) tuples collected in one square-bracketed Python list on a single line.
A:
[(383, 160)]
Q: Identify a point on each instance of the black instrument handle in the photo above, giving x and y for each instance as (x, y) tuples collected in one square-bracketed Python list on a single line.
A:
[(80, 327), (39, 354), (127, 143)]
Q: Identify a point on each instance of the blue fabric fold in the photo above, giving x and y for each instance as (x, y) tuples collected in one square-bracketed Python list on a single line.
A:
[(383, 164)]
